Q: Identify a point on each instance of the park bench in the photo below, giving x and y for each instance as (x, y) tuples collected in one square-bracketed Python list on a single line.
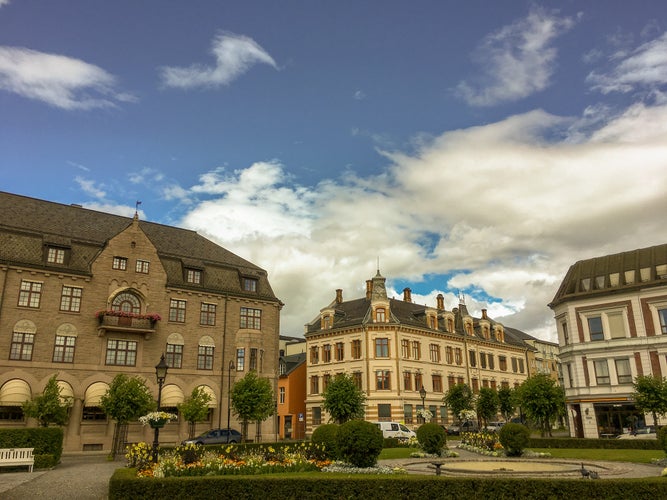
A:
[(11, 457)]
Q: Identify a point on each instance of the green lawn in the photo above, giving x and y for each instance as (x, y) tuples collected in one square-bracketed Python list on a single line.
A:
[(637, 456), (390, 453)]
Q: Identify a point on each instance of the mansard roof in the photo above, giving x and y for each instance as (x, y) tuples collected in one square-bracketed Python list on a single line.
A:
[(28, 224), (612, 274)]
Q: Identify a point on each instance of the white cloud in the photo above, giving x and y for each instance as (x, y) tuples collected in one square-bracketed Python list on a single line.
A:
[(112, 208), (3, 3), (645, 67), (89, 187), (57, 80), (517, 60), (234, 55), (359, 95)]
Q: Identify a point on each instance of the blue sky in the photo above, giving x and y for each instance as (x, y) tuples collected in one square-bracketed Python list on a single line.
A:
[(474, 146)]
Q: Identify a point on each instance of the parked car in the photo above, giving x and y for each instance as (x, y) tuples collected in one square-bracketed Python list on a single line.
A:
[(494, 426), (395, 430), (216, 436), (467, 426)]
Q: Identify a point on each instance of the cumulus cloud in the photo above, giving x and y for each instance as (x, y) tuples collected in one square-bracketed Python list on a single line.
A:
[(643, 68), (90, 187), (234, 56), (505, 207), (517, 60), (60, 81), (3, 3)]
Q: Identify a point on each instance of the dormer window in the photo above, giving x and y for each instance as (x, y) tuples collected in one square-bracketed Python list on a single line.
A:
[(380, 315), (119, 263), (250, 285), (326, 322), (55, 255), (142, 266), (193, 276)]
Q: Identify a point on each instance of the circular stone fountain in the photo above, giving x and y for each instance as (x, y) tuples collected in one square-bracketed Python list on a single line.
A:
[(509, 467)]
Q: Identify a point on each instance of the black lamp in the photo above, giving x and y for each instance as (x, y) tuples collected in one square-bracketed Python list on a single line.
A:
[(160, 374)]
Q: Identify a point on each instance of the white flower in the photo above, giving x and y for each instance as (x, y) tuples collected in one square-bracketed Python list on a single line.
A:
[(157, 416)]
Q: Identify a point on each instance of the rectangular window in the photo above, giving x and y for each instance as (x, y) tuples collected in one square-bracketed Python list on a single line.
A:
[(356, 349), (240, 359), (472, 356), (30, 294), (515, 366), (119, 263), (419, 382), (434, 351), (384, 412), (443, 414), (356, 377), (326, 353), (601, 372), (251, 318), (407, 381), (281, 395), (142, 266), (381, 348), (405, 348), (250, 284), (174, 355), (383, 380), (662, 316), (566, 335), (253, 359), (55, 255), (207, 314), (63, 349), (437, 383), (326, 378), (616, 325), (490, 361), (70, 300), (177, 310), (521, 367), (205, 357), (314, 355), (502, 363), (458, 356), (340, 351), (380, 315), (623, 372), (407, 413), (482, 359), (595, 328), (416, 349), (314, 384), (475, 386), (449, 355), (22, 344), (317, 415), (121, 352), (451, 381), (193, 276)]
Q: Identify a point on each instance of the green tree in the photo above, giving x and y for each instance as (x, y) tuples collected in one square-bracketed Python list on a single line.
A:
[(195, 409), (487, 404), (343, 400), (651, 395), (252, 399), (127, 399), (506, 403), (542, 400), (459, 398), (49, 407)]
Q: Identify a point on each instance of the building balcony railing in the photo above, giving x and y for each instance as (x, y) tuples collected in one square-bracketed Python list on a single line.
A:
[(140, 324)]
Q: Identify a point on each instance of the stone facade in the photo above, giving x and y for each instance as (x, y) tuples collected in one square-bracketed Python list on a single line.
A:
[(80, 296), (394, 347)]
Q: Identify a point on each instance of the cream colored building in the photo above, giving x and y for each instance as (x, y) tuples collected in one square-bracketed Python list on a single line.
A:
[(611, 315), (87, 295), (394, 347)]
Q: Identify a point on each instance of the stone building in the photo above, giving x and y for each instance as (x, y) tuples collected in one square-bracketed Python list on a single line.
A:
[(87, 295), (392, 348), (611, 315)]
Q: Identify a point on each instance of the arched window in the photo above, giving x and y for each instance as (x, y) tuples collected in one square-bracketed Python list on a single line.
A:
[(126, 302)]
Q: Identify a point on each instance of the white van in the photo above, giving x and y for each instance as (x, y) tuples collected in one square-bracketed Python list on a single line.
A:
[(395, 430)]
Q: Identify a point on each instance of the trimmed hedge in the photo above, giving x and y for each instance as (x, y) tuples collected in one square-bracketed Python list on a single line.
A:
[(46, 441), (124, 484), (431, 437), (606, 444)]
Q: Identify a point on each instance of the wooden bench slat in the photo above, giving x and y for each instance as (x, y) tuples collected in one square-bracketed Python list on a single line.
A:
[(10, 457)]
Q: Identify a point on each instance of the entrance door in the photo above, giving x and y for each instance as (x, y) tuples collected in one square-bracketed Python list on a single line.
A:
[(288, 426)]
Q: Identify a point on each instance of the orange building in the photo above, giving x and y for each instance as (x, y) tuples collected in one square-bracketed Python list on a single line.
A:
[(292, 396)]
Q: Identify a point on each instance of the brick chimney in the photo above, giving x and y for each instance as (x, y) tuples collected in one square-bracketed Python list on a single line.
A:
[(440, 302), (484, 316), (339, 296), (369, 289), (407, 295)]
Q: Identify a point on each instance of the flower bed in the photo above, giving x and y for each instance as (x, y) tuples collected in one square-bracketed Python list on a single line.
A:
[(485, 443)]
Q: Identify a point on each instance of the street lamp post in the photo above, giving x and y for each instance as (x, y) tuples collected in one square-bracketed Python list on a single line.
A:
[(160, 374), (229, 395), (422, 393)]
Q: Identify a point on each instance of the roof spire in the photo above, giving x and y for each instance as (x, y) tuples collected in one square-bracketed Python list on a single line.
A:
[(136, 209)]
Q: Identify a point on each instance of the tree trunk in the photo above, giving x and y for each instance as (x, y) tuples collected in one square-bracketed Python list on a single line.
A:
[(119, 439), (191, 429)]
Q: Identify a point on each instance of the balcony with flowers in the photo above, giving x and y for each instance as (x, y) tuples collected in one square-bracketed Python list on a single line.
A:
[(122, 321)]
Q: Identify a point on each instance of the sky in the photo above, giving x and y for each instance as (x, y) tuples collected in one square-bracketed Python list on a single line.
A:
[(475, 149)]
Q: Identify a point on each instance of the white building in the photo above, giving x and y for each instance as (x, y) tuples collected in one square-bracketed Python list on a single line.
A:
[(611, 315)]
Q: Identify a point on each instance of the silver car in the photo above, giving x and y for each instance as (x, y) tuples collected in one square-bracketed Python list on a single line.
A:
[(216, 436)]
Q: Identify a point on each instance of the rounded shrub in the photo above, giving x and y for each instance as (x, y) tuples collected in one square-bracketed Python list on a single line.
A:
[(514, 438), (325, 436), (359, 443), (432, 438), (662, 437)]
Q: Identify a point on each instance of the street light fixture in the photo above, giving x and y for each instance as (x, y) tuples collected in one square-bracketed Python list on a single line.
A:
[(422, 393), (229, 395), (160, 374)]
